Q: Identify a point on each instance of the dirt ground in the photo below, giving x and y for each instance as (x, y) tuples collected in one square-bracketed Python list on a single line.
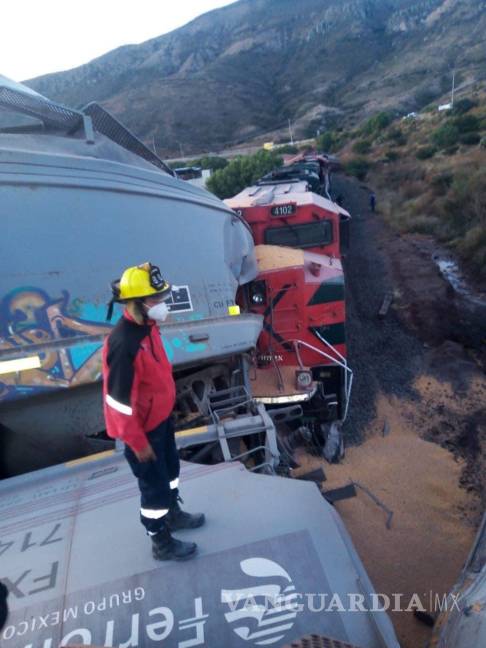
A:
[(431, 530), (416, 433)]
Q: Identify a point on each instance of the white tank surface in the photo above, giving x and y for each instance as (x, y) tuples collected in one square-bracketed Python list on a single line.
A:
[(274, 563)]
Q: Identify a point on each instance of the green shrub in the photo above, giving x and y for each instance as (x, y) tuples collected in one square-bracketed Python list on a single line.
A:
[(425, 152), (362, 147), (213, 162), (329, 142), (464, 209), (451, 150), (472, 246), (466, 123), (470, 139), (242, 172), (474, 238), (357, 167), (397, 136), (377, 123), (446, 135), (392, 155), (287, 148), (463, 106), (483, 142)]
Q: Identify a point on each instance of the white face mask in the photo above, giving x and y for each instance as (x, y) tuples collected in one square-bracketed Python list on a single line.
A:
[(159, 312)]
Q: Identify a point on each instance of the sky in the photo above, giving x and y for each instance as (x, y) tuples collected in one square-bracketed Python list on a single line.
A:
[(42, 36)]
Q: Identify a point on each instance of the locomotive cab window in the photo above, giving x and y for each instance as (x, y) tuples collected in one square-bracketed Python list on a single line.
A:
[(301, 236)]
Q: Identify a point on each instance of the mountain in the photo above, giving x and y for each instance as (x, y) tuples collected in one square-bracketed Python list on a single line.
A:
[(244, 70)]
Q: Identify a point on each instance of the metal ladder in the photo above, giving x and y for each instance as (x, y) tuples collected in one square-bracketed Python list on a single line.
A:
[(235, 414)]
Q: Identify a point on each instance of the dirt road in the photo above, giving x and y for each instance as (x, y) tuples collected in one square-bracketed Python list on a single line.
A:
[(414, 383)]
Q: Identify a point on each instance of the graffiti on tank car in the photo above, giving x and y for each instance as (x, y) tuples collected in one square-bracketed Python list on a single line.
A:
[(179, 342), (31, 319), (33, 323)]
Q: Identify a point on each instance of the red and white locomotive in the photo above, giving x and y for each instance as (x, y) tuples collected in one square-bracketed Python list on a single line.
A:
[(300, 291)]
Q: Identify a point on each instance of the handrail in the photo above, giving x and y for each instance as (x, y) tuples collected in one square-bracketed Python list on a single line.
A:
[(343, 364), (316, 332)]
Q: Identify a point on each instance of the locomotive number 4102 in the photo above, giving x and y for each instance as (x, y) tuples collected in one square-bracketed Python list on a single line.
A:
[(284, 210)]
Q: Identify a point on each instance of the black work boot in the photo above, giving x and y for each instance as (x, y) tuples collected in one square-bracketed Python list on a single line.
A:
[(178, 519), (165, 547)]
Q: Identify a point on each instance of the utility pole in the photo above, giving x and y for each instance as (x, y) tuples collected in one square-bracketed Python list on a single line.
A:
[(181, 149), (453, 87), (290, 132), (153, 144)]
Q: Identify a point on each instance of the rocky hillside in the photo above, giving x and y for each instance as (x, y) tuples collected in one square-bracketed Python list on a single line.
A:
[(244, 70), (430, 174)]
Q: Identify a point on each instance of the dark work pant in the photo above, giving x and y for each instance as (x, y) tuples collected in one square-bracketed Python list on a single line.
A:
[(158, 480)]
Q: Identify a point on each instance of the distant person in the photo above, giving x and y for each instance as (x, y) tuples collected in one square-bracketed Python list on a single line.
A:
[(139, 396), (373, 201), (3, 605)]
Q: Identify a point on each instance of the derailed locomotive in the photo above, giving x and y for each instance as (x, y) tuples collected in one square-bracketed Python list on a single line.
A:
[(301, 239)]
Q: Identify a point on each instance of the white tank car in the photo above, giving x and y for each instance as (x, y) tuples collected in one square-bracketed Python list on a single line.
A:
[(81, 198)]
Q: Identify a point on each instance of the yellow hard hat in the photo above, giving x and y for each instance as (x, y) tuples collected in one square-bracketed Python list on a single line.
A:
[(138, 282)]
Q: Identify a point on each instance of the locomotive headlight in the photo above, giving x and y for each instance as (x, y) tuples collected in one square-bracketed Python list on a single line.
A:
[(257, 298), (303, 379), (258, 293)]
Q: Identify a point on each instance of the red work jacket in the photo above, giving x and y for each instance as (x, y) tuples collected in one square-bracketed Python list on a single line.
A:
[(138, 386)]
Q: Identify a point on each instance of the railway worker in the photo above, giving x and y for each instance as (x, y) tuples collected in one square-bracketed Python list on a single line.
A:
[(373, 201), (139, 396)]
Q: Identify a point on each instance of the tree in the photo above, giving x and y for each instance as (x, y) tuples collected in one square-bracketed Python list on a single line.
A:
[(470, 139), (287, 148), (446, 135), (466, 123), (377, 123), (242, 172), (425, 152), (357, 167), (362, 146), (463, 106), (329, 142), (213, 162)]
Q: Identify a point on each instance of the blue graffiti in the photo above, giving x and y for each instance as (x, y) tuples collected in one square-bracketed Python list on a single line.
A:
[(31, 318), (181, 343)]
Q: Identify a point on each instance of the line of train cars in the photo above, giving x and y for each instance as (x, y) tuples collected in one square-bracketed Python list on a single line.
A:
[(301, 236)]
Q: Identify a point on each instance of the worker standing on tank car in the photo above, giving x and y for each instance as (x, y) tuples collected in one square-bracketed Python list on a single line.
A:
[(139, 396)]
